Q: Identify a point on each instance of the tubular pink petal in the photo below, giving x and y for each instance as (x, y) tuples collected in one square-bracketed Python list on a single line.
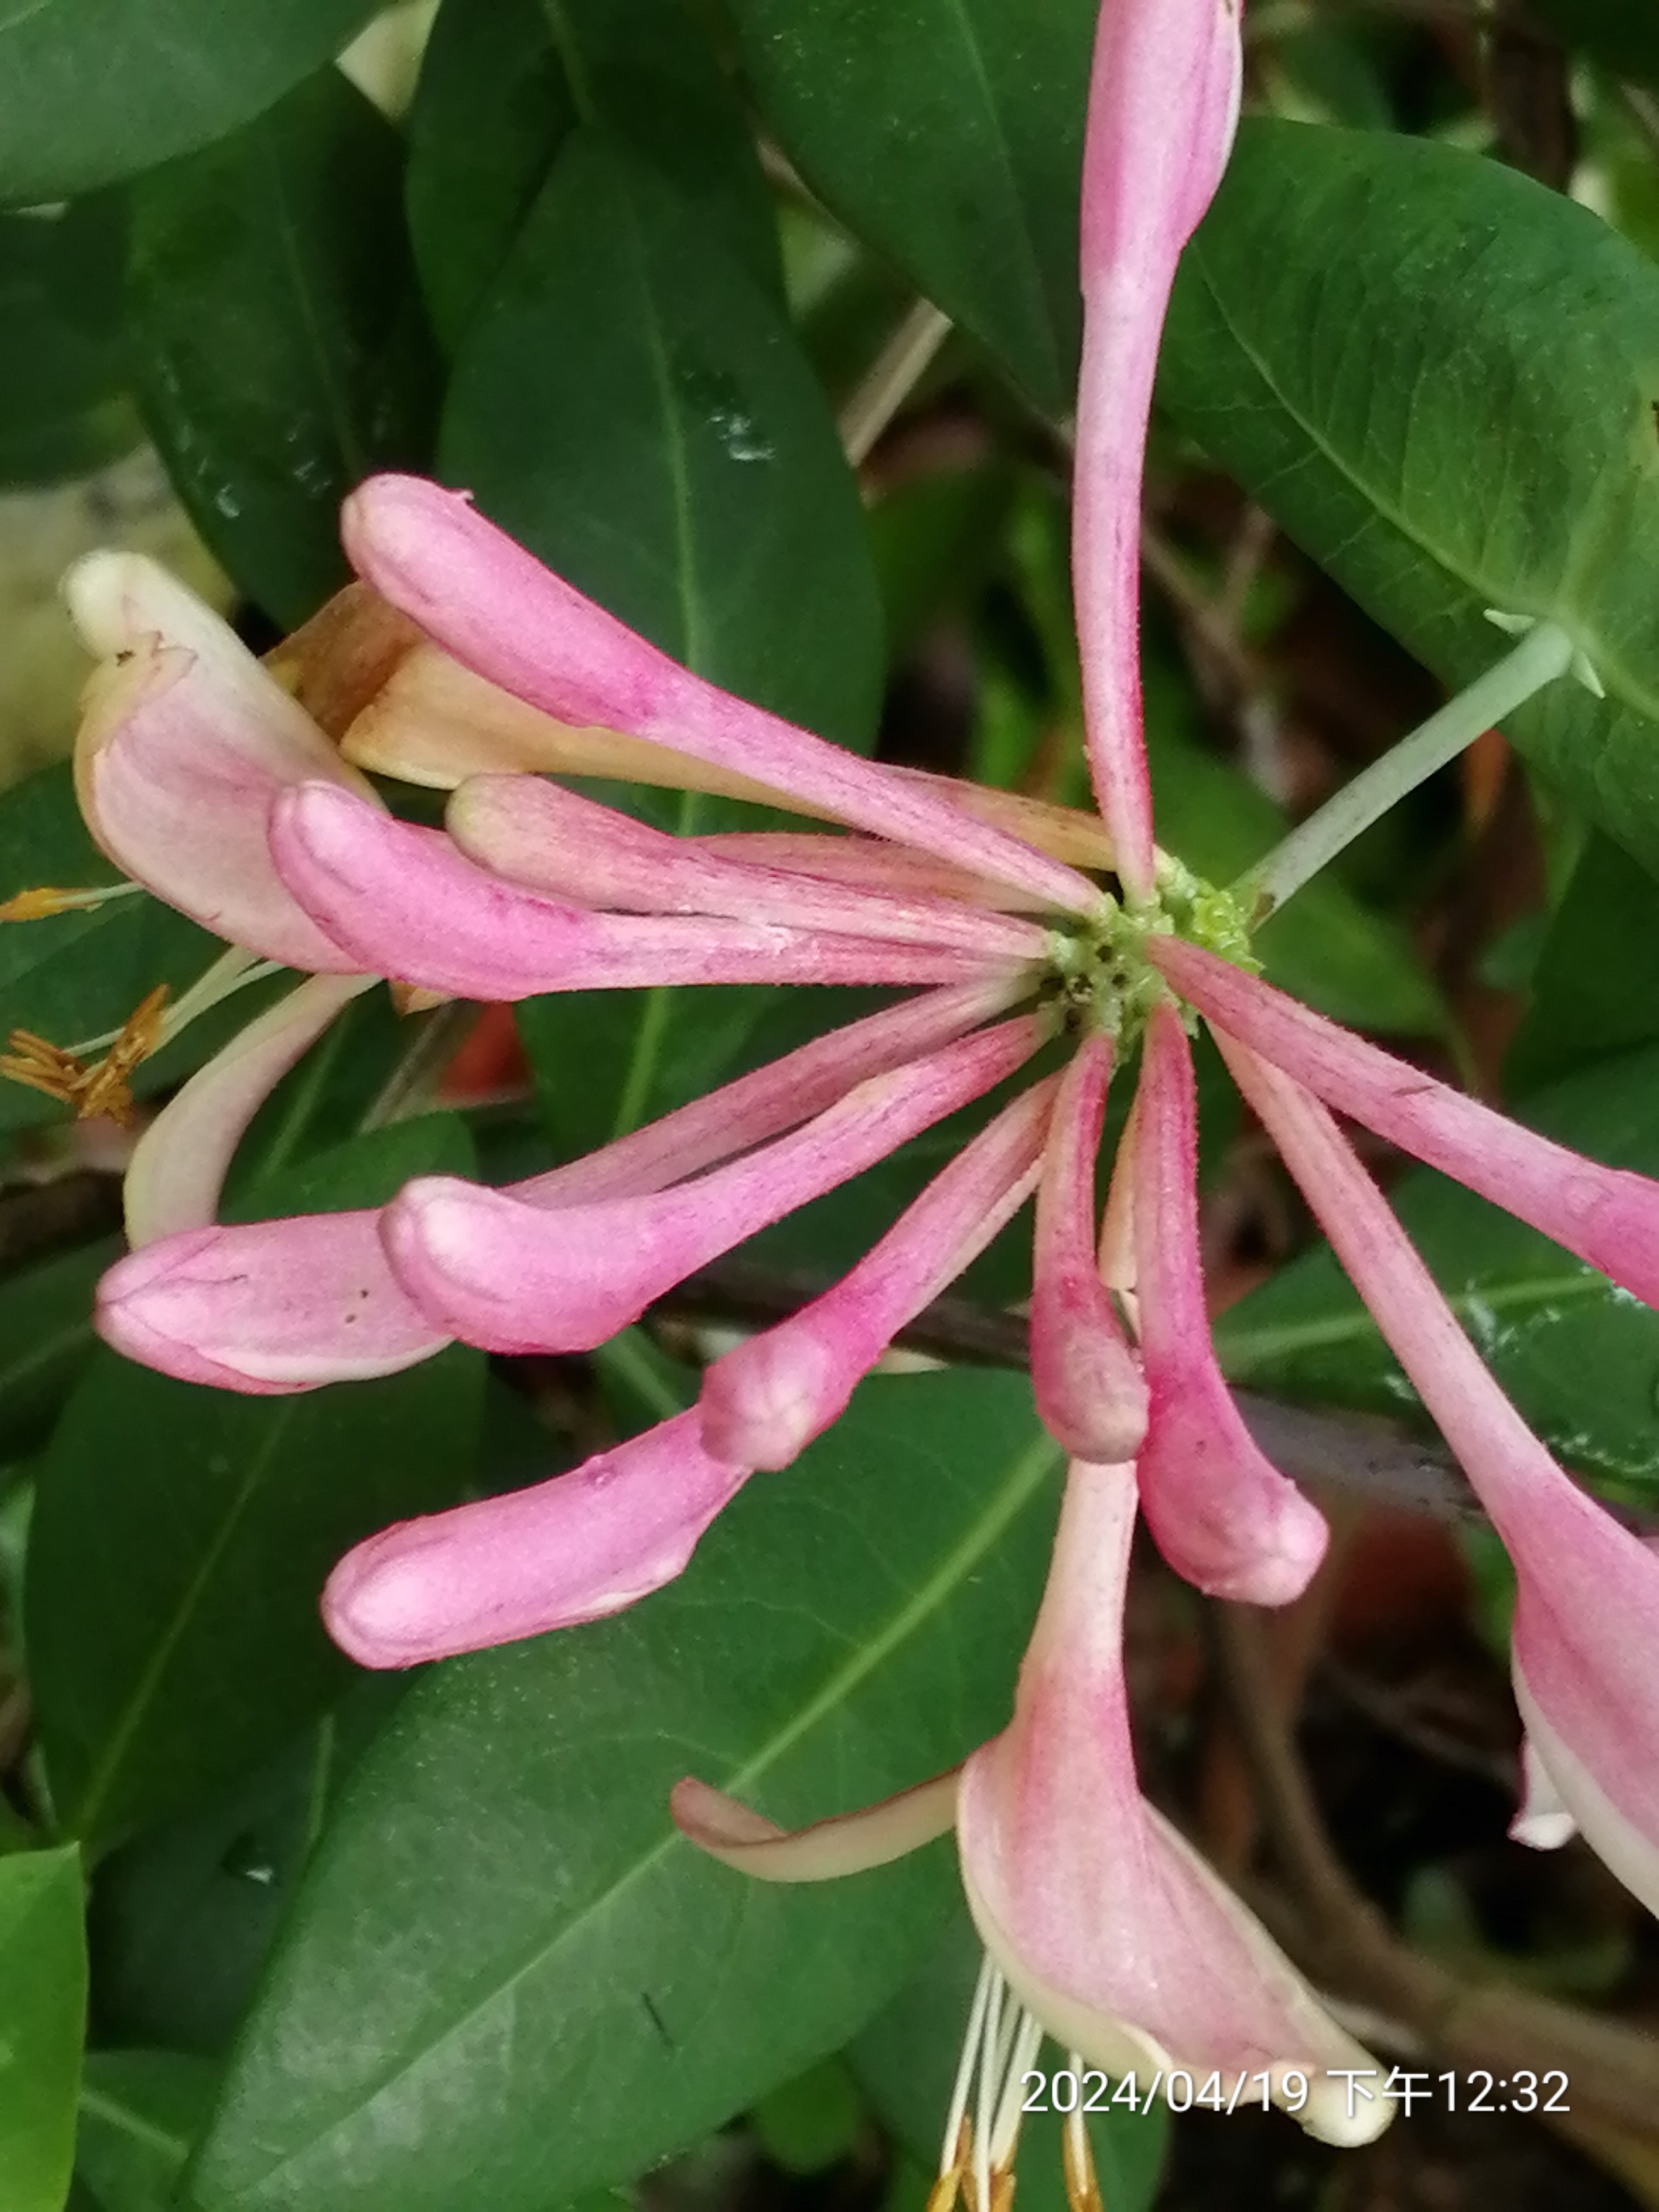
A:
[(1090, 1393), (585, 1544), (1586, 1633), (554, 841), (435, 723), (175, 768), (1608, 1217), (1113, 1932), (265, 1307), (853, 1843), (495, 607), (1162, 108), (764, 1402), (410, 905), (178, 1165), (863, 864), (290, 1305), (497, 1272), (1223, 1516)]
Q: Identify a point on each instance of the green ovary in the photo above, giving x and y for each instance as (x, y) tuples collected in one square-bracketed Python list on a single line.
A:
[(1100, 973)]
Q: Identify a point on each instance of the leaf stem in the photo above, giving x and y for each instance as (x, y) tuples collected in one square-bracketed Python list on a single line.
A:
[(1545, 653), (891, 377)]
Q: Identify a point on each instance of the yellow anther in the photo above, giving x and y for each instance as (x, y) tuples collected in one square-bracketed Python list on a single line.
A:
[(956, 2176), (1077, 2160), (104, 1088), (46, 900)]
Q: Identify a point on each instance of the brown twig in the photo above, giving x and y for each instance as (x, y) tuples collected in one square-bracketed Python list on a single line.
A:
[(1374, 1458)]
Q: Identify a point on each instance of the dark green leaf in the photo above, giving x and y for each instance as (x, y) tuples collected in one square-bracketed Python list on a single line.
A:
[(94, 90), (906, 2060), (279, 341), (629, 403), (79, 974), (949, 133), (491, 110), (644, 69), (1580, 1358), (64, 404), (812, 2122), (1441, 379), (1596, 989), (140, 2111), (46, 1326), (183, 1916), (500, 90), (43, 1996), (181, 1535), (501, 1923)]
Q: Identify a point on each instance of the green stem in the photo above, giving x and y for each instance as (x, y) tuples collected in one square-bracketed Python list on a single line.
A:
[(1544, 653)]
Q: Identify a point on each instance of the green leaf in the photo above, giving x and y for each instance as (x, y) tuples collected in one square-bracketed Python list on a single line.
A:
[(278, 342), (183, 1916), (491, 109), (94, 90), (140, 2111), (1596, 987), (45, 1325), (948, 134), (78, 975), (906, 2062), (631, 405), (181, 1535), (500, 90), (1579, 1357), (64, 404), (503, 1924), (812, 2122), (43, 1998), (1441, 379)]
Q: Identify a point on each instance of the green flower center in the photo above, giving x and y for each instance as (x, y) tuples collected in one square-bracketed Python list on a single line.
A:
[(1101, 974)]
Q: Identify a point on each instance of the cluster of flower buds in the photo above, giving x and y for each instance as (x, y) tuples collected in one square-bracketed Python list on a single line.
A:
[(236, 791)]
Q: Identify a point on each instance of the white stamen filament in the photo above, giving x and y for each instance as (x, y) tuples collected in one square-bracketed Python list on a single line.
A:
[(983, 1988), (1001, 2041), (234, 970)]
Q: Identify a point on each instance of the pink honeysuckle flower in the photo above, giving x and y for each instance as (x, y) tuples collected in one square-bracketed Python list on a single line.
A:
[(1163, 99), (1585, 1642), (934, 886), (590, 1542), (184, 740), (1089, 1387), (1112, 1933), (1222, 1515), (276, 1306)]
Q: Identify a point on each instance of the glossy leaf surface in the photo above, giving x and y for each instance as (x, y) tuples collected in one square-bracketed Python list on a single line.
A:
[(502, 1922)]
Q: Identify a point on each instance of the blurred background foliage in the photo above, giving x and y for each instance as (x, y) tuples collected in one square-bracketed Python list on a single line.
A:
[(757, 319)]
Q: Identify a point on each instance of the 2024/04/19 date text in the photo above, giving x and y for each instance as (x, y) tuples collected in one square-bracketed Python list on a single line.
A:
[(1066, 2091)]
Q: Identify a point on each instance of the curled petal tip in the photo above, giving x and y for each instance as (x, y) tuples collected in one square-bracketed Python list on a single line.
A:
[(576, 1548), (143, 1310), (374, 1606), (1542, 1821), (451, 1246), (850, 1842), (715, 1823), (1279, 1566)]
